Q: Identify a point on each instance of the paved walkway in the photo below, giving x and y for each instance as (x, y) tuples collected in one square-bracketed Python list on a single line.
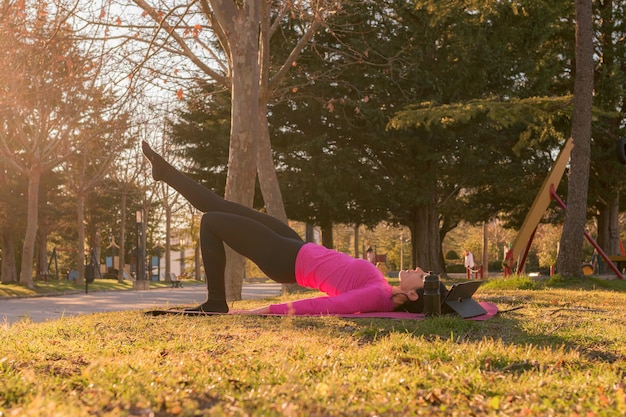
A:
[(39, 309)]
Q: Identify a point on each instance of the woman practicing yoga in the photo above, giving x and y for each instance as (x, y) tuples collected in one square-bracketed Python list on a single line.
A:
[(352, 285)]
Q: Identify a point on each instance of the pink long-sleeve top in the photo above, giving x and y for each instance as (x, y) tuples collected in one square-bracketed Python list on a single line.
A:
[(352, 285)]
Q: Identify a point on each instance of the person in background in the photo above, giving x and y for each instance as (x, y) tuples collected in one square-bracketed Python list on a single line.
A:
[(469, 262)]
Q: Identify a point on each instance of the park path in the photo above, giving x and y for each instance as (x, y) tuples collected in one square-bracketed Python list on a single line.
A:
[(38, 309)]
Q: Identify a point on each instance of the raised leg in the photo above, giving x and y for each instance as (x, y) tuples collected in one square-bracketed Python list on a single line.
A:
[(267, 241), (206, 200)]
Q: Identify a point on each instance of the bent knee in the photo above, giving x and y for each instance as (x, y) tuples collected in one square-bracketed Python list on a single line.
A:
[(209, 218)]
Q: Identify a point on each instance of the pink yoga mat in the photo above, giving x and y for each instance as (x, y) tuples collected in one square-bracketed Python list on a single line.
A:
[(492, 310)]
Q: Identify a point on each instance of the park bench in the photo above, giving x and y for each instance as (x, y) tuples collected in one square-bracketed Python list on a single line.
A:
[(176, 283)]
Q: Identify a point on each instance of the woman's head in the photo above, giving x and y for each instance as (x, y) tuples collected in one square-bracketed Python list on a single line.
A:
[(412, 284), (411, 280)]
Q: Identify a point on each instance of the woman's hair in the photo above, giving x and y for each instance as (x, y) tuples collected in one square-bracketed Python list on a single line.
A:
[(417, 306)]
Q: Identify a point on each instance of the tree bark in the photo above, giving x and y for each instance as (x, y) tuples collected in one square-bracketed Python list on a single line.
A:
[(122, 244), (198, 261), (168, 242), (41, 251), (9, 267), (96, 245), (425, 238), (485, 260), (327, 236), (80, 240), (570, 249), (243, 29), (268, 180), (608, 227), (32, 219)]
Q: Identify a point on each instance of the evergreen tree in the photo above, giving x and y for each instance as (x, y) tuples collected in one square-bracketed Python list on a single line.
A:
[(479, 54), (607, 183)]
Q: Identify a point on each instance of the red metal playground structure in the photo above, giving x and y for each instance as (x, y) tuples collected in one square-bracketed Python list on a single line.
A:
[(515, 258)]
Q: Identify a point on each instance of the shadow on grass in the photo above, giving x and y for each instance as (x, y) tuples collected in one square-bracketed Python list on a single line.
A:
[(14, 290), (510, 328)]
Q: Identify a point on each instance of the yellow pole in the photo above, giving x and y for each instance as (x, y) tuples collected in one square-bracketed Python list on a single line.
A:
[(540, 205)]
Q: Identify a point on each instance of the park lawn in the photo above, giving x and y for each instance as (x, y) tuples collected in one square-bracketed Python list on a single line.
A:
[(65, 286), (563, 353)]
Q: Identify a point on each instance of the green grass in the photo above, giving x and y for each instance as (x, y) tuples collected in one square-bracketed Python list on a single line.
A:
[(563, 353)]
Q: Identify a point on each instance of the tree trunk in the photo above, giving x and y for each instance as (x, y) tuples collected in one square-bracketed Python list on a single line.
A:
[(570, 252), (9, 267), (32, 220), (122, 250), (266, 169), (95, 245), (327, 236), (268, 180), (242, 158), (80, 240), (198, 261), (425, 238), (144, 258), (168, 242), (442, 260), (485, 260), (309, 233), (608, 227), (40, 240), (42, 252)]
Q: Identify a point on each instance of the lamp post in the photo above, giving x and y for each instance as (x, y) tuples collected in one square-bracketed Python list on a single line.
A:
[(140, 280)]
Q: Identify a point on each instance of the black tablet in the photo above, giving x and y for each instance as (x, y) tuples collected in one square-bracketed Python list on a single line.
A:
[(459, 300)]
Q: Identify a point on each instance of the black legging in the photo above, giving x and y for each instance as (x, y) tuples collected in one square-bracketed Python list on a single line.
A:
[(268, 242)]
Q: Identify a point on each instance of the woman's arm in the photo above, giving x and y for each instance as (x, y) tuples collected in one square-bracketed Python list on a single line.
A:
[(361, 300), (258, 310), (366, 299)]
